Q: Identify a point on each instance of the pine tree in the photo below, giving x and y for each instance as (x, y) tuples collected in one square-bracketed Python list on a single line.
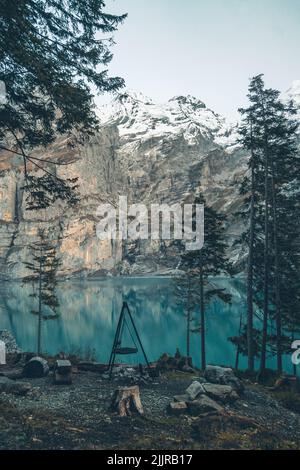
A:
[(186, 292), (285, 179), (207, 263), (268, 131), (51, 54), (247, 139), (43, 267)]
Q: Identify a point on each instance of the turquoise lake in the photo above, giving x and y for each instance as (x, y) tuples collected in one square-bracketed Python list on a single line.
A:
[(89, 311)]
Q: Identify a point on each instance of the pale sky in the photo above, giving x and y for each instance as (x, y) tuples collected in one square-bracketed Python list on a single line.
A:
[(206, 48)]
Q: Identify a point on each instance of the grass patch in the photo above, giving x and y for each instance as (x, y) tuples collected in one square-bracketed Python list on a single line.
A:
[(168, 420), (237, 432), (266, 378), (178, 375), (288, 399)]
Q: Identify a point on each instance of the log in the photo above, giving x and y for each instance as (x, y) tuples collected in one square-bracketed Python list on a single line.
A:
[(63, 372), (92, 366), (36, 367), (126, 400)]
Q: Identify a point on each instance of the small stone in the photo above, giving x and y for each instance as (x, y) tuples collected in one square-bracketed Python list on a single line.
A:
[(142, 380), (203, 404), (177, 408), (182, 398), (195, 389), (34, 393)]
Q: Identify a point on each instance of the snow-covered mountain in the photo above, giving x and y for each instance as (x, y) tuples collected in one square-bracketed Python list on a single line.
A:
[(293, 94), (140, 118)]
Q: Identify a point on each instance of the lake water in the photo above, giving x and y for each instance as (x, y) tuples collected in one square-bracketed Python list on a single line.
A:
[(89, 312)]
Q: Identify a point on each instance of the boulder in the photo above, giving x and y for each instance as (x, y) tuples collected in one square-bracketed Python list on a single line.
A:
[(223, 393), (15, 387), (195, 389), (177, 408), (203, 404), (223, 376)]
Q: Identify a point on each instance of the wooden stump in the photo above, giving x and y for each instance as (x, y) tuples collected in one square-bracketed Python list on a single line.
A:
[(126, 400), (63, 372)]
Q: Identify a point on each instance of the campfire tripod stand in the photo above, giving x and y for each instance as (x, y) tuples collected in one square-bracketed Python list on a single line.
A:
[(117, 348)]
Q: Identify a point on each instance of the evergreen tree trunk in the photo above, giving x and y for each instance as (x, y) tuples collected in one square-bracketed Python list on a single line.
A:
[(250, 270), (294, 365), (238, 349), (202, 319), (277, 285), (188, 319), (39, 338), (266, 262), (188, 333)]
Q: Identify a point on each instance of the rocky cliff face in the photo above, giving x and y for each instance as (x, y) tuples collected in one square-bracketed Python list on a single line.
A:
[(152, 154), (81, 252), (166, 152)]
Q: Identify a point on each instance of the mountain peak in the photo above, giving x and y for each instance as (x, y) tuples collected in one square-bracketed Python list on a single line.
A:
[(130, 96), (293, 93), (188, 99)]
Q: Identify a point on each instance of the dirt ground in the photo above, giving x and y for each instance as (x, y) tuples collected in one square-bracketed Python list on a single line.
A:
[(77, 416)]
